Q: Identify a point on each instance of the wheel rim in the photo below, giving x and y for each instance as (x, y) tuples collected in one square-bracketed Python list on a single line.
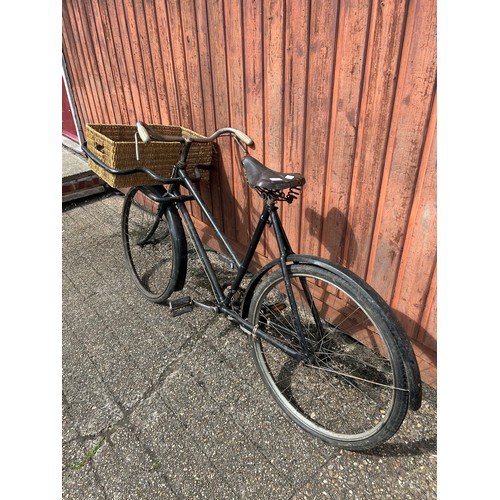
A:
[(148, 246), (346, 392)]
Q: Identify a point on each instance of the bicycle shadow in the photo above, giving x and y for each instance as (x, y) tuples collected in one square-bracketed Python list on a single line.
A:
[(424, 446), (332, 232), (418, 433), (418, 333), (229, 197)]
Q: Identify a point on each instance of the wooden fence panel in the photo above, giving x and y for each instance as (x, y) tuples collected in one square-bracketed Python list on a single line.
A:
[(322, 39), (342, 90), (352, 39), (295, 93), (386, 32)]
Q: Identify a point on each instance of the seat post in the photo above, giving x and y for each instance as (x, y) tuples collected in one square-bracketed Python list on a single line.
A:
[(282, 239)]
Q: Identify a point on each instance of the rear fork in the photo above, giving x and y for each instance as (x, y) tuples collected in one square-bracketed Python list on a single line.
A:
[(285, 252)]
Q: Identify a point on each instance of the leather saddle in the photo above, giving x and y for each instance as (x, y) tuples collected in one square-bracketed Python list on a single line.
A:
[(258, 175)]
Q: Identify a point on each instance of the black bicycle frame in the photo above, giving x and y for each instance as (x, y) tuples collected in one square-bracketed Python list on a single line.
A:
[(269, 214)]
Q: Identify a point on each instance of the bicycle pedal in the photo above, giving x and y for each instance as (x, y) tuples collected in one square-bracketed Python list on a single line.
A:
[(274, 308), (180, 306), (208, 306)]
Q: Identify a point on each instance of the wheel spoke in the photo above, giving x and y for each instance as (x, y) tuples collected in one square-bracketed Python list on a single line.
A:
[(354, 377), (346, 391)]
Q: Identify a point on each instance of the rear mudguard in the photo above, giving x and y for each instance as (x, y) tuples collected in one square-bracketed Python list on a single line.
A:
[(409, 360)]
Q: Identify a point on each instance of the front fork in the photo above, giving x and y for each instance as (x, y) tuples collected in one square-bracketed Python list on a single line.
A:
[(159, 214), (151, 193)]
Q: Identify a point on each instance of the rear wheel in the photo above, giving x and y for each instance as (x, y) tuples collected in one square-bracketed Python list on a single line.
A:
[(154, 245), (352, 391)]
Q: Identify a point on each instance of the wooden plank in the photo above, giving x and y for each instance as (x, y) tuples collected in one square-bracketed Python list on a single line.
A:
[(410, 118), (295, 92), (97, 48), (144, 27), (179, 63), (110, 63), (322, 40), (190, 53), (137, 61), (210, 193), (419, 253), (74, 72), (237, 111), (218, 52), (428, 160), (252, 35), (92, 65), (352, 39), (217, 70), (78, 62), (192, 62), (386, 33), (273, 39), (154, 36), (207, 91), (165, 51), (273, 68), (80, 58), (116, 47), (129, 66), (427, 331)]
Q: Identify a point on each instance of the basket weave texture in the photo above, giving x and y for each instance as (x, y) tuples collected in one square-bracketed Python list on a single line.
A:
[(115, 146)]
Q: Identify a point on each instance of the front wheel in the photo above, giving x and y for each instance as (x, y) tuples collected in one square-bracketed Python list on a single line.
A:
[(154, 244), (352, 390)]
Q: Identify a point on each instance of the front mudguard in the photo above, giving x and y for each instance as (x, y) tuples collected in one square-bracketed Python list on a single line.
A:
[(409, 360), (179, 242)]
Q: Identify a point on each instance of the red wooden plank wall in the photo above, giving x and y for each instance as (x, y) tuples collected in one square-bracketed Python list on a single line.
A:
[(342, 90)]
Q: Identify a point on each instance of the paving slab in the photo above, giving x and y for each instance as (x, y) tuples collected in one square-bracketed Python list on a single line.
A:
[(158, 407)]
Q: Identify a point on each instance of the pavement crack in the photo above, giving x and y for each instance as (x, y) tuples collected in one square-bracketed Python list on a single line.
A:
[(169, 370), (86, 458)]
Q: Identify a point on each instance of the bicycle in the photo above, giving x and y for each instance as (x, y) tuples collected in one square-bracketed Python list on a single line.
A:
[(326, 345)]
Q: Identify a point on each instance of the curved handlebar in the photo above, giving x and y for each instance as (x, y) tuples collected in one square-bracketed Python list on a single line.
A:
[(232, 131), (148, 134)]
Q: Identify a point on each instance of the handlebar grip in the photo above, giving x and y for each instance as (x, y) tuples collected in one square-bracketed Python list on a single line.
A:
[(243, 137), (143, 132)]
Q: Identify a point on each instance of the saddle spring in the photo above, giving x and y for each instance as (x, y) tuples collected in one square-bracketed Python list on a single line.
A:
[(289, 196)]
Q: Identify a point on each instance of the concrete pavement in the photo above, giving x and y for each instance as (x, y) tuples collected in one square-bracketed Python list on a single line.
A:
[(157, 407)]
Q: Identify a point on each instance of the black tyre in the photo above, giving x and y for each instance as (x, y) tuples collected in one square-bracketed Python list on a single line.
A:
[(155, 246), (352, 392)]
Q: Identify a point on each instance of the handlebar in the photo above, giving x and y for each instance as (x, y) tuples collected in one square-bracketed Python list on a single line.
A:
[(147, 134)]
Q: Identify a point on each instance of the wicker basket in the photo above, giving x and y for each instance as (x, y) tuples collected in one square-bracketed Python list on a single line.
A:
[(115, 146)]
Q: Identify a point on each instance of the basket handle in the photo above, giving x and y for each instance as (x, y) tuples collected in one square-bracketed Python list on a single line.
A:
[(136, 147), (99, 149)]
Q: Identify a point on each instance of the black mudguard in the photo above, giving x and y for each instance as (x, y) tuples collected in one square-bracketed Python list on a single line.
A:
[(179, 270), (410, 362), (180, 247)]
